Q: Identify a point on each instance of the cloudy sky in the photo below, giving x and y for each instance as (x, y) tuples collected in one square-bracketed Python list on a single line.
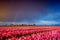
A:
[(30, 12)]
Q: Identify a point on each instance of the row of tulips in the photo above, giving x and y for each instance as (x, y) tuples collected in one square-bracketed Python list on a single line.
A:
[(29, 34)]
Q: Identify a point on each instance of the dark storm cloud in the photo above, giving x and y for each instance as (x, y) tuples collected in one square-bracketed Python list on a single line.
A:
[(24, 10)]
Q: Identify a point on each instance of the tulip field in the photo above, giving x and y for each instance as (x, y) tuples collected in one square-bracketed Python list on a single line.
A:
[(30, 33)]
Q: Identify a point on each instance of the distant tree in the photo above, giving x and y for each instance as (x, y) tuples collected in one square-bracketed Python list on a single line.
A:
[(22, 24), (11, 24), (33, 24)]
